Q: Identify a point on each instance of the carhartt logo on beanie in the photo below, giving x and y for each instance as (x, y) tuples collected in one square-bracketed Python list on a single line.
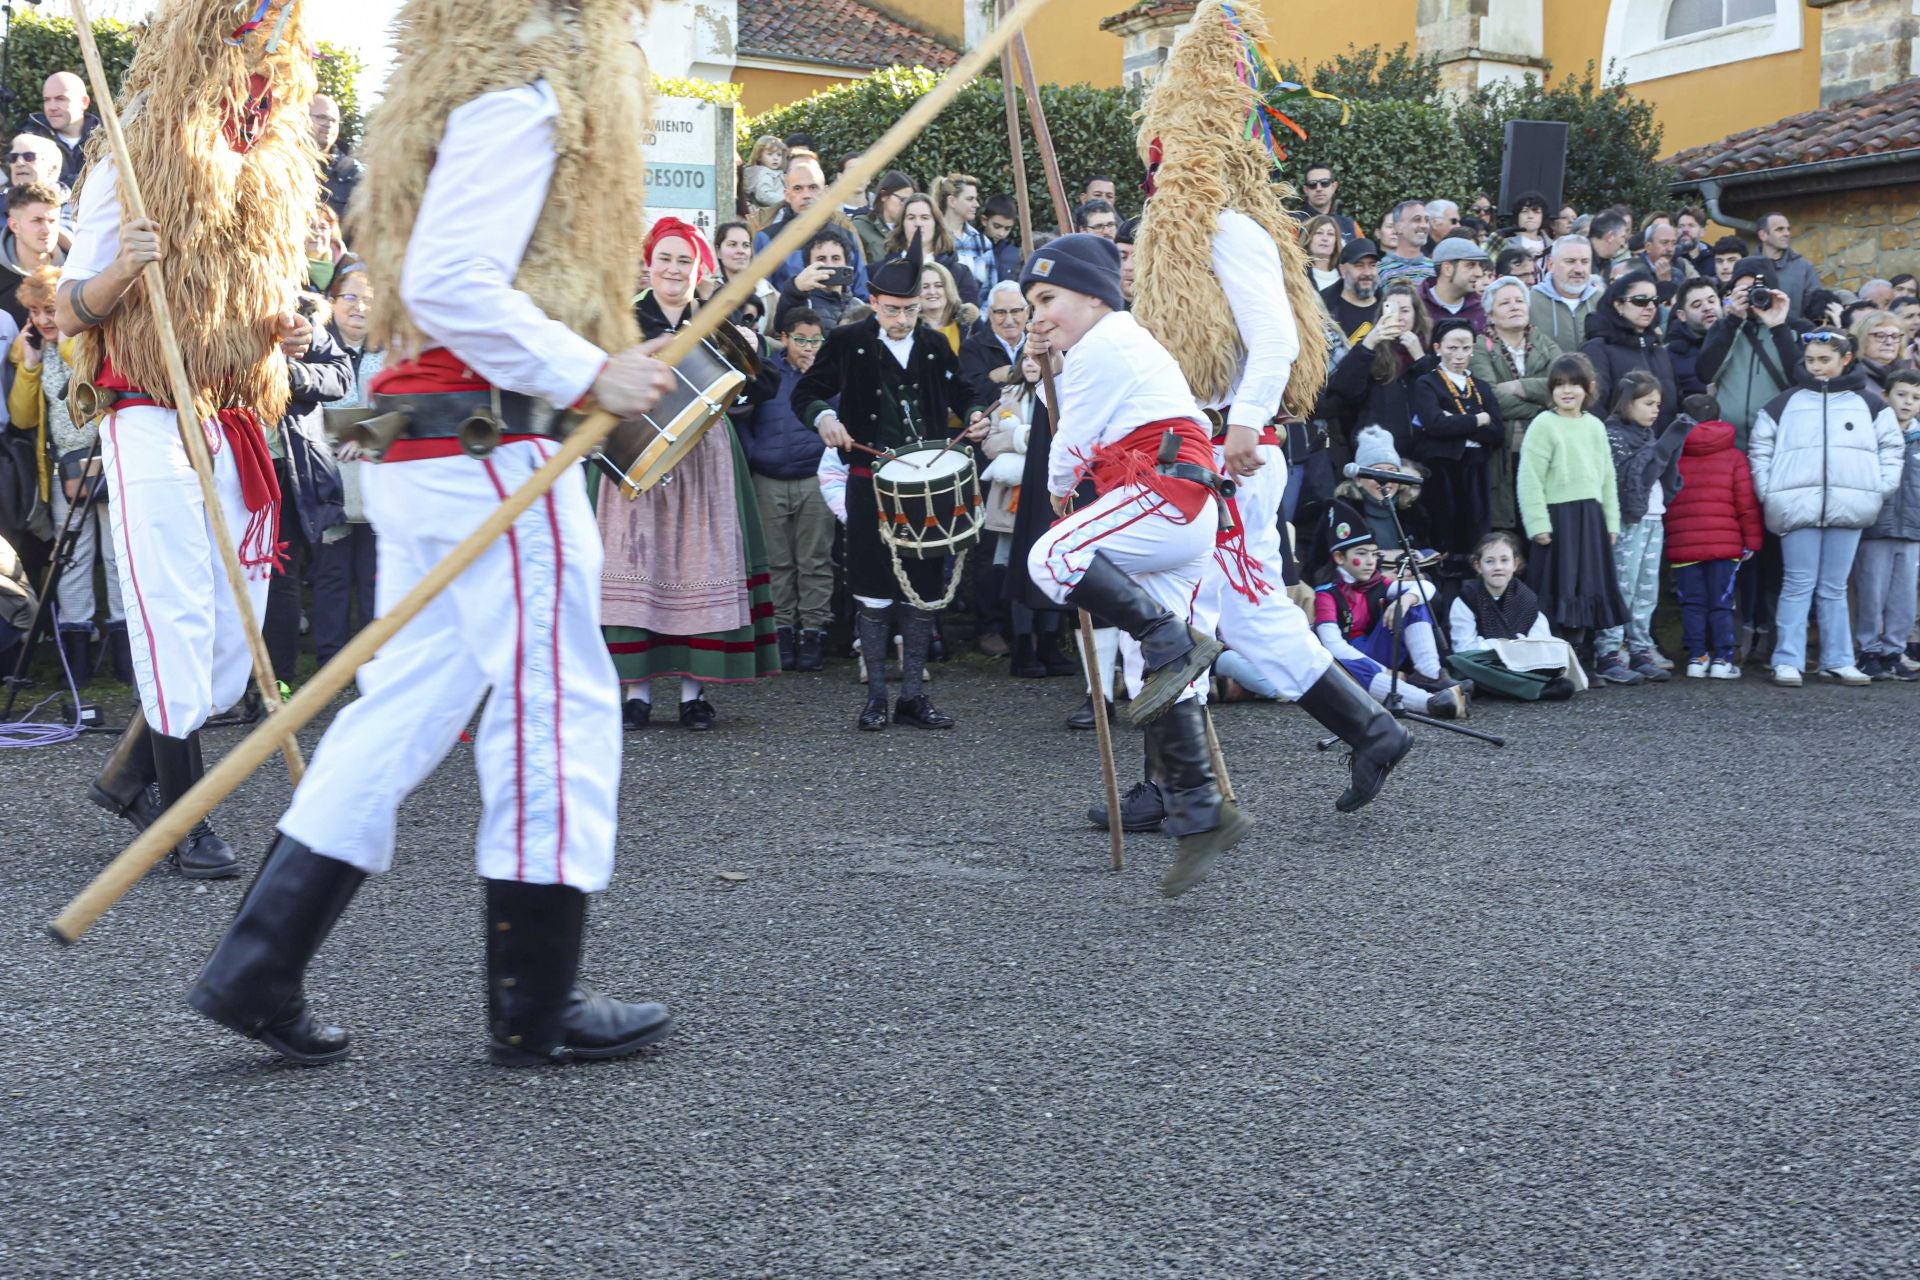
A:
[(1081, 262)]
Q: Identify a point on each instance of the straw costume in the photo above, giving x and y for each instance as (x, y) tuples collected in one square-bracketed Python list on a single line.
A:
[(503, 208), (1220, 280), (216, 129)]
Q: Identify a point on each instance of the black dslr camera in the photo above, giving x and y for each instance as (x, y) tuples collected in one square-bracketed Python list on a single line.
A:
[(1761, 298)]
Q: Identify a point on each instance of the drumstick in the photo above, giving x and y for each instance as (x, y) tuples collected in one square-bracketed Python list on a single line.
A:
[(878, 453)]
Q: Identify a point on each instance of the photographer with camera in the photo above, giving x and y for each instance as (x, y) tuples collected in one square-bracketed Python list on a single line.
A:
[(1751, 354), (822, 285)]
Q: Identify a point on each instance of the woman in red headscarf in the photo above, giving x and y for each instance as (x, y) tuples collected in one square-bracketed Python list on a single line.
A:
[(685, 589)]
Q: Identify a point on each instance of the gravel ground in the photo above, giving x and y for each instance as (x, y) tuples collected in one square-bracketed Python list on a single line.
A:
[(1634, 996)]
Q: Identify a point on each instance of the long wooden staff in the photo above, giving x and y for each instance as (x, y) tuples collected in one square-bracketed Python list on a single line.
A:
[(191, 434), (1043, 138), (1096, 678), (152, 845)]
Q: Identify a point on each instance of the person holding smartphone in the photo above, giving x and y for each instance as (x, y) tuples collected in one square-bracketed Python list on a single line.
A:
[(43, 366), (822, 285)]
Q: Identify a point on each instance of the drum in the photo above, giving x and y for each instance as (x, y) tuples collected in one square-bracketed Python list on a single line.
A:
[(929, 501), (640, 452)]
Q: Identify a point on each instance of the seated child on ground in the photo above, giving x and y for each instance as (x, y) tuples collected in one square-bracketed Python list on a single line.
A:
[(1501, 640), (1368, 622)]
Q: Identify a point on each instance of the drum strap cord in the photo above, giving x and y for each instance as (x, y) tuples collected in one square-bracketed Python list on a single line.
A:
[(913, 597)]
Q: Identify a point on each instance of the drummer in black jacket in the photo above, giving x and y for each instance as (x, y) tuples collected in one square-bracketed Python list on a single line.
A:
[(898, 382)]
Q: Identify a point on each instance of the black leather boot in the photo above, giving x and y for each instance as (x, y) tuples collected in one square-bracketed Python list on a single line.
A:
[(789, 650), (120, 651), (1054, 655), (1142, 807), (1026, 659), (537, 1013), (76, 646), (811, 652), (202, 855), (124, 787), (254, 983), (1206, 824), (1379, 741), (1083, 718), (1173, 653)]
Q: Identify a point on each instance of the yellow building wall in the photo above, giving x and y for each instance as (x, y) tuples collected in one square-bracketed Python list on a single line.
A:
[(764, 90), (1068, 47), (1699, 106)]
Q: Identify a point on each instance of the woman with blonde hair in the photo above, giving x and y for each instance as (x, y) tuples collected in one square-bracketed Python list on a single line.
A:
[(941, 308), (1881, 340)]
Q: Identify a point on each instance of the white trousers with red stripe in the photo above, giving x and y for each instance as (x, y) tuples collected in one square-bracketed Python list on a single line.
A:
[(1146, 537), (1272, 633), (520, 629), (190, 655)]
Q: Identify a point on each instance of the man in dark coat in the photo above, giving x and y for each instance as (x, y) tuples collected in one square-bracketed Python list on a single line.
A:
[(339, 172), (315, 499), (987, 355), (897, 382), (65, 119)]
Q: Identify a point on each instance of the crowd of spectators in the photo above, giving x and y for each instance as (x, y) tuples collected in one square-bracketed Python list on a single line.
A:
[(1683, 444)]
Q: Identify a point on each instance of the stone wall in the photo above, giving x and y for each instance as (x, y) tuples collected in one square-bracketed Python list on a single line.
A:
[(1866, 45), (1853, 236)]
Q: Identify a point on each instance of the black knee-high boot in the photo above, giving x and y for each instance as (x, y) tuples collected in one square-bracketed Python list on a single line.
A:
[(1173, 653), (202, 855), (255, 981), (124, 787), (1206, 823), (537, 1013), (1379, 741), (876, 637), (916, 638)]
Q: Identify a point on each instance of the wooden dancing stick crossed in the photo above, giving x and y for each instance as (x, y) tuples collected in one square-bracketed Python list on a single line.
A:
[(191, 434), (152, 845)]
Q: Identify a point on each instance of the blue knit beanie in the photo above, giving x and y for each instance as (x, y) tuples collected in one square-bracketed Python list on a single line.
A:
[(1082, 262)]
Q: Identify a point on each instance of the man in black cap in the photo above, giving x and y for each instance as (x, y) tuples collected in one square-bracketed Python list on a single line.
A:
[(897, 382), (1354, 303)]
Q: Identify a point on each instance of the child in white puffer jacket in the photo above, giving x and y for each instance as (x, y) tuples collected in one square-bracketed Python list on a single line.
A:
[(1824, 457)]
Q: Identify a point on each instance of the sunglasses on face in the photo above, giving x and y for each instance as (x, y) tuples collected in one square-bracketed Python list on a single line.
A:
[(1822, 335), (1641, 300), (22, 157), (1318, 184)]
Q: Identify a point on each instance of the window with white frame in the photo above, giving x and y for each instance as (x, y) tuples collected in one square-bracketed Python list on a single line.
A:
[(1649, 39)]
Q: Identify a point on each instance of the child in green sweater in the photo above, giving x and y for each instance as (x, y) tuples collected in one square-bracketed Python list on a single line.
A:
[(1570, 505)]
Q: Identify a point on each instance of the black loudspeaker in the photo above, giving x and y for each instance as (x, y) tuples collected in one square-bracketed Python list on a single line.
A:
[(1535, 160)]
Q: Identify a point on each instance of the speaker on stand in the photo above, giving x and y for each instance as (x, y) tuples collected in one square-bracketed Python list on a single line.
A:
[(1535, 159)]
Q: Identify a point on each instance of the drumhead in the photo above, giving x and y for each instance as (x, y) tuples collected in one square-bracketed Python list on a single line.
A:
[(926, 464)]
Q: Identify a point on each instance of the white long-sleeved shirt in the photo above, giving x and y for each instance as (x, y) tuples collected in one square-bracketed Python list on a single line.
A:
[(484, 197), (1116, 379), (1464, 628), (1247, 263)]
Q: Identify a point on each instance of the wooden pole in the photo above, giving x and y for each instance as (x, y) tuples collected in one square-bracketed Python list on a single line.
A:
[(1015, 147), (153, 276), (1096, 681), (1043, 138), (152, 845), (1219, 757)]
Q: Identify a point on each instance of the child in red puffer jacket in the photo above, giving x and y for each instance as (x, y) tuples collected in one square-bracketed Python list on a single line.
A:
[(1712, 525)]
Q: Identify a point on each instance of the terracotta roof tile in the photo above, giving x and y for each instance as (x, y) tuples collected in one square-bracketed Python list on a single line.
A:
[(842, 33), (1885, 120)]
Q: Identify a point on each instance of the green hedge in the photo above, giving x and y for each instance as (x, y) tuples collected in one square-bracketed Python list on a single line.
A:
[(1402, 140), (1386, 152), (43, 44), (1092, 132)]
